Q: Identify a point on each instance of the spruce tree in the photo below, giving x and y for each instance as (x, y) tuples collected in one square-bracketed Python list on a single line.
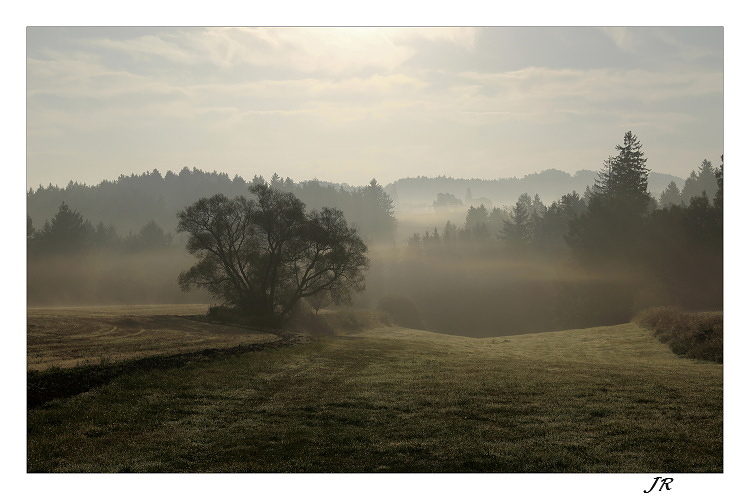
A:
[(517, 231), (719, 173), (704, 182), (617, 207), (670, 196), (623, 182)]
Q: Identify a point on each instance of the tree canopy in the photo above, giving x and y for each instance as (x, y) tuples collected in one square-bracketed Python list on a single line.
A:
[(263, 255)]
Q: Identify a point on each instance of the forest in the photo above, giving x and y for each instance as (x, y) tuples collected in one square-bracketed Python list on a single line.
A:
[(590, 258)]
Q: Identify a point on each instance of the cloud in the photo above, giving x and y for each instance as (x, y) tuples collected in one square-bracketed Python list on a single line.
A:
[(343, 98), (553, 90), (623, 37), (307, 50)]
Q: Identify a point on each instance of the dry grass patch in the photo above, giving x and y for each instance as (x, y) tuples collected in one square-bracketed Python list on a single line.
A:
[(697, 335), (68, 337)]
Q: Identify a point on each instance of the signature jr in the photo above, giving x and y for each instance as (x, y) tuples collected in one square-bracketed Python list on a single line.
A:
[(664, 484)]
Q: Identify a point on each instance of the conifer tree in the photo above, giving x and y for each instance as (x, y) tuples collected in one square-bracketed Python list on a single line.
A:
[(617, 207), (719, 198), (623, 182), (516, 232), (67, 232), (670, 196), (704, 181)]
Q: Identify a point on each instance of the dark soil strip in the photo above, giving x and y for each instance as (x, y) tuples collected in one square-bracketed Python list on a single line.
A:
[(44, 386)]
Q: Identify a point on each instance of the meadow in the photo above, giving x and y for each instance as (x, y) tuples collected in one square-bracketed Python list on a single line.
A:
[(72, 336), (383, 399)]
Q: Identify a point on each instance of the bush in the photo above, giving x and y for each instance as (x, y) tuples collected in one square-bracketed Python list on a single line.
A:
[(402, 310), (698, 335), (303, 319), (229, 315)]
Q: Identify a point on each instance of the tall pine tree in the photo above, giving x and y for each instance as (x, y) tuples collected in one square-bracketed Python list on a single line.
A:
[(617, 207), (623, 182), (517, 231)]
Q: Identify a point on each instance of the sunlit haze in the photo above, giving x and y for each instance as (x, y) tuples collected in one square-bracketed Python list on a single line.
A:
[(351, 104)]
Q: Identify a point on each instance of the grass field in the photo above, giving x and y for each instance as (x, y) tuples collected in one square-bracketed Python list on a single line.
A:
[(67, 337), (388, 399)]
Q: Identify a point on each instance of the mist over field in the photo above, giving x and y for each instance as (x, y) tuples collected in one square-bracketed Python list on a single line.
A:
[(110, 278), (469, 269)]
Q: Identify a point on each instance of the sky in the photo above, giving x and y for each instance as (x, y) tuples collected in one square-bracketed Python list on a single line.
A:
[(348, 105)]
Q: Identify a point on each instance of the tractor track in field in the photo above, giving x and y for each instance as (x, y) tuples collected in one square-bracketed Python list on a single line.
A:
[(44, 386)]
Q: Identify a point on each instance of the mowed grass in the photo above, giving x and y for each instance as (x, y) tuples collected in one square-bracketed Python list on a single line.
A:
[(68, 337), (610, 399)]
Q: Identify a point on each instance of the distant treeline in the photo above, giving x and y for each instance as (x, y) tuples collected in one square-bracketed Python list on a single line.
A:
[(551, 184), (130, 202), (533, 228), (68, 232)]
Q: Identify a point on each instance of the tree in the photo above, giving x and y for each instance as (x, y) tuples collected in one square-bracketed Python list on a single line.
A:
[(704, 181), (496, 221), (623, 182), (262, 256), (150, 237), (446, 202), (537, 207), (105, 236), (476, 222), (276, 181), (450, 232), (719, 198), (378, 220), (68, 232), (550, 230), (29, 228), (617, 207), (670, 196), (517, 231)]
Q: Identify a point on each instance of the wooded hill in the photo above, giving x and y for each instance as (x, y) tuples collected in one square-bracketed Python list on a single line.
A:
[(131, 202), (418, 193)]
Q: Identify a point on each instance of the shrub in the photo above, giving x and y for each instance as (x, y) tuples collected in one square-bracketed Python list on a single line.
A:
[(229, 315), (303, 319), (402, 310), (698, 335)]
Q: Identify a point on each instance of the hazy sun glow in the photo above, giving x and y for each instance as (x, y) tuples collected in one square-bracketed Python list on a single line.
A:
[(350, 104)]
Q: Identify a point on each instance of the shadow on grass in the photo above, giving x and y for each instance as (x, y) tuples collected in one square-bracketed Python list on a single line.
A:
[(43, 386)]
